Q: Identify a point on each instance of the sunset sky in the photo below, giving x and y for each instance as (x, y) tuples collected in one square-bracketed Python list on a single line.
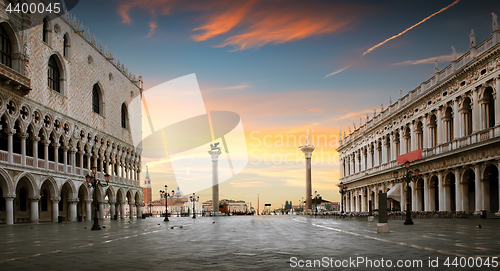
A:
[(287, 68)]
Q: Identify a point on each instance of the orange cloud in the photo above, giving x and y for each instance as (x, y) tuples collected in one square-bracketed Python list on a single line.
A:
[(221, 23), (153, 6), (271, 23), (254, 23)]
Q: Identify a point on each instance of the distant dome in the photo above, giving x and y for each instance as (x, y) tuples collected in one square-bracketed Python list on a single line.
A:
[(178, 193)]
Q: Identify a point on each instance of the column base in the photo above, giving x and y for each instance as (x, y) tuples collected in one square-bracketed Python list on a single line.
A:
[(497, 213), (371, 218), (382, 228)]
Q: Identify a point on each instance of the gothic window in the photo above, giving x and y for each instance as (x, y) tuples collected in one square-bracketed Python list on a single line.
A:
[(45, 32), (6, 48), (96, 99), (124, 116), (66, 46), (54, 74)]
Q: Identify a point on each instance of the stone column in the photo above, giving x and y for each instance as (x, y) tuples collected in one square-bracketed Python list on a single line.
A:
[(112, 208), (101, 210), (414, 197), (131, 205), (441, 191), (446, 195), (35, 150), (23, 148), (369, 153), (10, 146), (46, 153), (425, 132), (497, 102), (72, 153), (498, 166), (72, 209), (456, 120), (476, 121), (458, 191), (55, 208), (34, 209), (384, 151), (81, 162), (122, 209), (56, 156), (65, 159), (88, 208), (308, 150), (139, 210), (426, 193), (362, 201), (485, 184), (214, 153), (9, 209), (440, 126), (403, 196), (478, 188)]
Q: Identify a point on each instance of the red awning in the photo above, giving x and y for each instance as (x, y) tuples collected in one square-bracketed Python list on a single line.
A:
[(411, 156)]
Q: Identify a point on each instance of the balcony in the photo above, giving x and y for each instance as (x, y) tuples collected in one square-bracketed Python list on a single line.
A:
[(19, 83)]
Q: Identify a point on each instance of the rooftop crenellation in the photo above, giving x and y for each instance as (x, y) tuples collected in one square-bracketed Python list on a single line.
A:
[(91, 39)]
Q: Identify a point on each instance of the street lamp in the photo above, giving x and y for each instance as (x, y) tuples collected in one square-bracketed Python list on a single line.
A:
[(408, 177), (93, 182), (342, 191), (194, 199), (165, 194)]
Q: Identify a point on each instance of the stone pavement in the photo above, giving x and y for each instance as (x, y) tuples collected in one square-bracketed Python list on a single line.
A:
[(238, 243)]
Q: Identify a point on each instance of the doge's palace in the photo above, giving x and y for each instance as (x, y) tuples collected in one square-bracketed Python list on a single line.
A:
[(453, 121), (65, 103)]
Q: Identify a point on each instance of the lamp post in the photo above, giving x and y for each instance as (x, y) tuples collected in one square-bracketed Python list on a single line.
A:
[(342, 191), (194, 199), (94, 183), (408, 177), (165, 194)]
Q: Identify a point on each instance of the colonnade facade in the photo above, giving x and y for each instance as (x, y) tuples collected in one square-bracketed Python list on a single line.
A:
[(451, 123), (64, 108)]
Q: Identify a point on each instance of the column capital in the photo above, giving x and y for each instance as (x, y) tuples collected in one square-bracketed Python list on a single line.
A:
[(112, 201), (73, 200), (132, 202), (46, 142), (35, 198), (89, 201), (35, 138), (24, 135), (55, 199), (10, 197), (11, 131)]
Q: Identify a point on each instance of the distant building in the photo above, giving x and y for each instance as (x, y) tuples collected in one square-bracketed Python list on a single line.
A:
[(148, 197)]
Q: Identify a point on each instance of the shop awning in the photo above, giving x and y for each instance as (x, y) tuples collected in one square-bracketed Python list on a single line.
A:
[(411, 156), (395, 193)]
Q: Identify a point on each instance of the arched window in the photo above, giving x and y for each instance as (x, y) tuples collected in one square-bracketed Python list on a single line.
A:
[(124, 116), (467, 117), (96, 99), (45, 32), (448, 124), (66, 46), (433, 131), (6, 48), (54, 75)]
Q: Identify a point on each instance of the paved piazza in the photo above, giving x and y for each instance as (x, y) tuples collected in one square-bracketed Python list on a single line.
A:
[(231, 243)]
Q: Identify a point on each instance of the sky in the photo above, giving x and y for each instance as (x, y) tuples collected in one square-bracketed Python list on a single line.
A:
[(287, 68)]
